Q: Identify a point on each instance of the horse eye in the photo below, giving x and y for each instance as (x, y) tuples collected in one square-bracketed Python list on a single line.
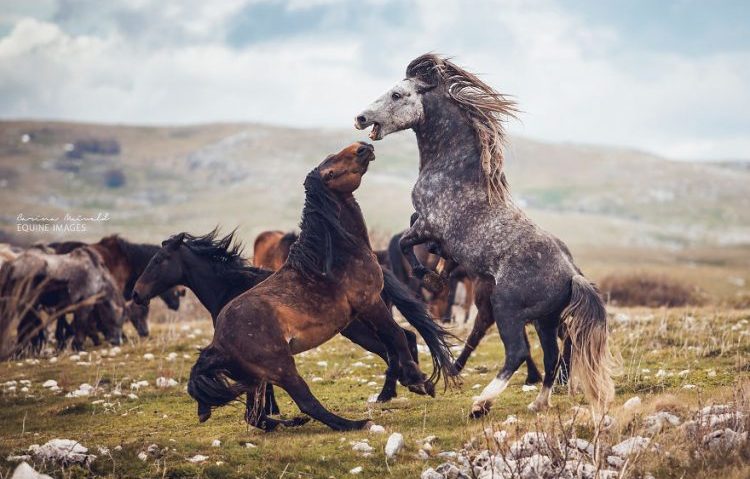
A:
[(329, 176), (396, 96)]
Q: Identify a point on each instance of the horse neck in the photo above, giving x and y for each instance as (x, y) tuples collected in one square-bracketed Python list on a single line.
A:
[(204, 280), (215, 288), (446, 138), (353, 220)]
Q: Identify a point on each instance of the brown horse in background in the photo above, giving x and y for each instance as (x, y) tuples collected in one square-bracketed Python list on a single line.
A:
[(331, 277), (271, 248)]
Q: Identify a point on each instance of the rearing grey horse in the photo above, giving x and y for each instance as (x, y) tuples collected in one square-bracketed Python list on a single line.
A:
[(463, 206)]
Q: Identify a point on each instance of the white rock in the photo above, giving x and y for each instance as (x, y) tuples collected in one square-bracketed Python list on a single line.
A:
[(197, 458), (394, 445), (49, 383), (632, 403), (65, 451), (356, 470), (250, 445), (150, 357), (138, 384), (377, 429), (658, 421), (362, 447), (511, 419), (582, 445), (24, 471), (216, 443), (171, 356), (53, 360), (75, 358), (162, 382), (431, 474), (316, 379), (528, 387), (724, 439), (630, 446), (132, 396), (615, 461), (423, 455), (322, 364), (17, 458), (535, 467)]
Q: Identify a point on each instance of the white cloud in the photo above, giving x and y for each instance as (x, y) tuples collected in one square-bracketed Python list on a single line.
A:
[(574, 81)]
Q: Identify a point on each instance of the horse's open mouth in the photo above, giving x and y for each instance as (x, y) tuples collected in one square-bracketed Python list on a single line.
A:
[(375, 133)]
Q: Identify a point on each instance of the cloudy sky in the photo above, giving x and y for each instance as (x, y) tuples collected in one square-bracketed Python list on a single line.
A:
[(672, 77)]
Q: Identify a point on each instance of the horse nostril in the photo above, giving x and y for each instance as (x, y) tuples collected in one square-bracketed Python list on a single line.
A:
[(361, 119)]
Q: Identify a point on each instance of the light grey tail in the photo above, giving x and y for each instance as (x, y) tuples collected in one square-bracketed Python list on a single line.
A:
[(592, 362)]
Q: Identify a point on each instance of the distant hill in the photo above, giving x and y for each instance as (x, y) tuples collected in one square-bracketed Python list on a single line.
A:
[(155, 181)]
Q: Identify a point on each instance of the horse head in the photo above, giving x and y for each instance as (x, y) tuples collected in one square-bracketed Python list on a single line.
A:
[(163, 271), (342, 172)]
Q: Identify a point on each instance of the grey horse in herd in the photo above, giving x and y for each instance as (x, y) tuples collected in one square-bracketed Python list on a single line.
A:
[(465, 210)]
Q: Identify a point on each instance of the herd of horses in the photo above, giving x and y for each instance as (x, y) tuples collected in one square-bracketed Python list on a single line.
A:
[(302, 289)]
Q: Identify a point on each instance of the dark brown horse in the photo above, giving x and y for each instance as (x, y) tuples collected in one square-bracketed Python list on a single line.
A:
[(214, 269), (330, 278)]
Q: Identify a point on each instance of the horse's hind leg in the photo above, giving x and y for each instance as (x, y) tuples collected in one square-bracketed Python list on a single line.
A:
[(361, 334), (548, 339), (293, 384), (532, 372), (512, 330)]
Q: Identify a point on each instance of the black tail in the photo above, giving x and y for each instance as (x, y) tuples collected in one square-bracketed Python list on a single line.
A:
[(208, 383), (433, 334), (396, 258)]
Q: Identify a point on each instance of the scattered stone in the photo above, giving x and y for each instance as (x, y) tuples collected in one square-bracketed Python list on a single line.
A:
[(376, 429), (431, 474), (629, 446), (535, 466), (216, 443), (250, 445), (162, 382), (63, 451), (511, 419), (25, 471), (658, 421), (724, 439), (149, 357), (394, 445), (615, 461), (530, 443), (632, 403), (423, 455), (356, 470), (448, 470), (22, 457), (582, 445), (50, 383), (363, 447), (448, 454), (198, 458)]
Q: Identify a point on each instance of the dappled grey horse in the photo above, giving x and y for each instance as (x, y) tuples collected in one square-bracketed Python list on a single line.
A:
[(463, 206)]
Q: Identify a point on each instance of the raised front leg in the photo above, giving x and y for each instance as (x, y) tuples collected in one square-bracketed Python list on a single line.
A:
[(418, 234)]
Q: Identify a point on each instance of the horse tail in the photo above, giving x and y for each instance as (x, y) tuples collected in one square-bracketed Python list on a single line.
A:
[(208, 383), (417, 315), (592, 362), (396, 258)]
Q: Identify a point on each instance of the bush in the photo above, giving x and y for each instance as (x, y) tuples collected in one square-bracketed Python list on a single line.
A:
[(644, 289)]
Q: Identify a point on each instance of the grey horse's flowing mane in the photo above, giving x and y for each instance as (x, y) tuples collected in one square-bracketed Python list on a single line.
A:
[(487, 109)]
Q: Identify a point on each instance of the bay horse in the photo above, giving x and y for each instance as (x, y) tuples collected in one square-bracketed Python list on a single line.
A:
[(214, 269), (463, 205), (330, 278), (271, 249)]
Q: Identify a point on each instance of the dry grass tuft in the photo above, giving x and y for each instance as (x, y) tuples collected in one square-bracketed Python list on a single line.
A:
[(647, 289)]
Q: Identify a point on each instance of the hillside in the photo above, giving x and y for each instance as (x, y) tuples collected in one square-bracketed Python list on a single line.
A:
[(155, 181)]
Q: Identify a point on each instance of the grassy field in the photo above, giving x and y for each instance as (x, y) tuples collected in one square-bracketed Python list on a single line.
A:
[(675, 360)]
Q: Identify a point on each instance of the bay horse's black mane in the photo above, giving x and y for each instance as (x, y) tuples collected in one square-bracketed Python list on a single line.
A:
[(323, 238), (224, 252)]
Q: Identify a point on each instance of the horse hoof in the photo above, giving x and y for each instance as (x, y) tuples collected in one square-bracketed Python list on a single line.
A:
[(532, 379), (203, 417), (536, 407), (382, 398), (434, 282), (479, 409)]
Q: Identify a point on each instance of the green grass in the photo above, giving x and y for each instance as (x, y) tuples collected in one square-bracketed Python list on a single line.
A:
[(700, 341)]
